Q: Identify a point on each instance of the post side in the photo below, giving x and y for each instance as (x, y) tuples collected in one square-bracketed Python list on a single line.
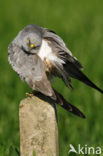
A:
[(38, 128)]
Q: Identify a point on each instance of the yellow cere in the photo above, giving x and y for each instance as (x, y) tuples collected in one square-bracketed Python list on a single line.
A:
[(32, 45)]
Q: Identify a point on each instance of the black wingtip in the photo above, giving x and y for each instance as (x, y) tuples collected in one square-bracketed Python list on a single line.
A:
[(76, 73), (82, 115), (100, 90), (73, 110), (91, 84), (67, 106)]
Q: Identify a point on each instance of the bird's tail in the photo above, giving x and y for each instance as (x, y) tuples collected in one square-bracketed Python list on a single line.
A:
[(76, 73), (69, 107), (62, 102)]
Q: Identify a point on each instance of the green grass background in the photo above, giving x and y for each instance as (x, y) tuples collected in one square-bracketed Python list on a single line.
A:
[(80, 24)]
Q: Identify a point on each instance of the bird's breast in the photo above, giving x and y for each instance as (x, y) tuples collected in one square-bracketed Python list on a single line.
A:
[(49, 66), (46, 51), (47, 56)]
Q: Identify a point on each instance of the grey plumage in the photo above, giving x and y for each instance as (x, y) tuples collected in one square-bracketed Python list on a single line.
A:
[(37, 54), (31, 69)]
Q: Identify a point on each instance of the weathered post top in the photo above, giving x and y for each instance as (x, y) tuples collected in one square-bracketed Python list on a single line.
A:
[(38, 127)]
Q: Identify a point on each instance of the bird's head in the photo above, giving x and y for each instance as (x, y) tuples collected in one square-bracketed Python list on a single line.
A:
[(30, 39)]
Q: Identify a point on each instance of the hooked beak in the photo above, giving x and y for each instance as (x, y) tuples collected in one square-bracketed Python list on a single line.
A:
[(29, 51)]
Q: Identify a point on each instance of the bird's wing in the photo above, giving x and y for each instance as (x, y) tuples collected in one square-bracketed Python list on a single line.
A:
[(38, 79), (61, 48), (62, 52), (67, 106), (31, 69), (71, 67), (62, 103)]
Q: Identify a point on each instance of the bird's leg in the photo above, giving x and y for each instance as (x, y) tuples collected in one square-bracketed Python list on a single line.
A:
[(31, 94)]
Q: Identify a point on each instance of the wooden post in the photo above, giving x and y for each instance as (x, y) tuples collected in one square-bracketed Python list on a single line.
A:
[(38, 127)]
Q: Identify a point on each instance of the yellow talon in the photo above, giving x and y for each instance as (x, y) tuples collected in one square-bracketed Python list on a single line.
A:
[(29, 94)]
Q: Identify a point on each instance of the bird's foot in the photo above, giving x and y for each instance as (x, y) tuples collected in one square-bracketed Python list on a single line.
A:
[(29, 94)]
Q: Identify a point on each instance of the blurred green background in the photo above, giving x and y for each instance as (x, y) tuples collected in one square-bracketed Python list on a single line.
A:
[(80, 24)]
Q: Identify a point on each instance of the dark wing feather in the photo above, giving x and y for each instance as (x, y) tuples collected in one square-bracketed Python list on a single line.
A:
[(69, 107), (60, 49), (74, 72), (60, 45), (62, 102), (71, 67)]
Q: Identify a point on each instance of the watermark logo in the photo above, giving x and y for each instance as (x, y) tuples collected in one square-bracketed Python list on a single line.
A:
[(84, 149)]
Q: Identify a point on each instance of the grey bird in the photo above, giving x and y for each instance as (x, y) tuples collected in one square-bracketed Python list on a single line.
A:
[(38, 54)]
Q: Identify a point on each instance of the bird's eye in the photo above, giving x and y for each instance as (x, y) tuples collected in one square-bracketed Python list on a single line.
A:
[(31, 45)]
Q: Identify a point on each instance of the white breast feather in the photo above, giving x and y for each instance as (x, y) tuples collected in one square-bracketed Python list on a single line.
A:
[(46, 52)]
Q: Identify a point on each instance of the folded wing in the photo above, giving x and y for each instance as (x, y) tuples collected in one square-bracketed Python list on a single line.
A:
[(71, 66)]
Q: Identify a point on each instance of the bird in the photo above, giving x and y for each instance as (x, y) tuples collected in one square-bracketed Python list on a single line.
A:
[(38, 55)]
